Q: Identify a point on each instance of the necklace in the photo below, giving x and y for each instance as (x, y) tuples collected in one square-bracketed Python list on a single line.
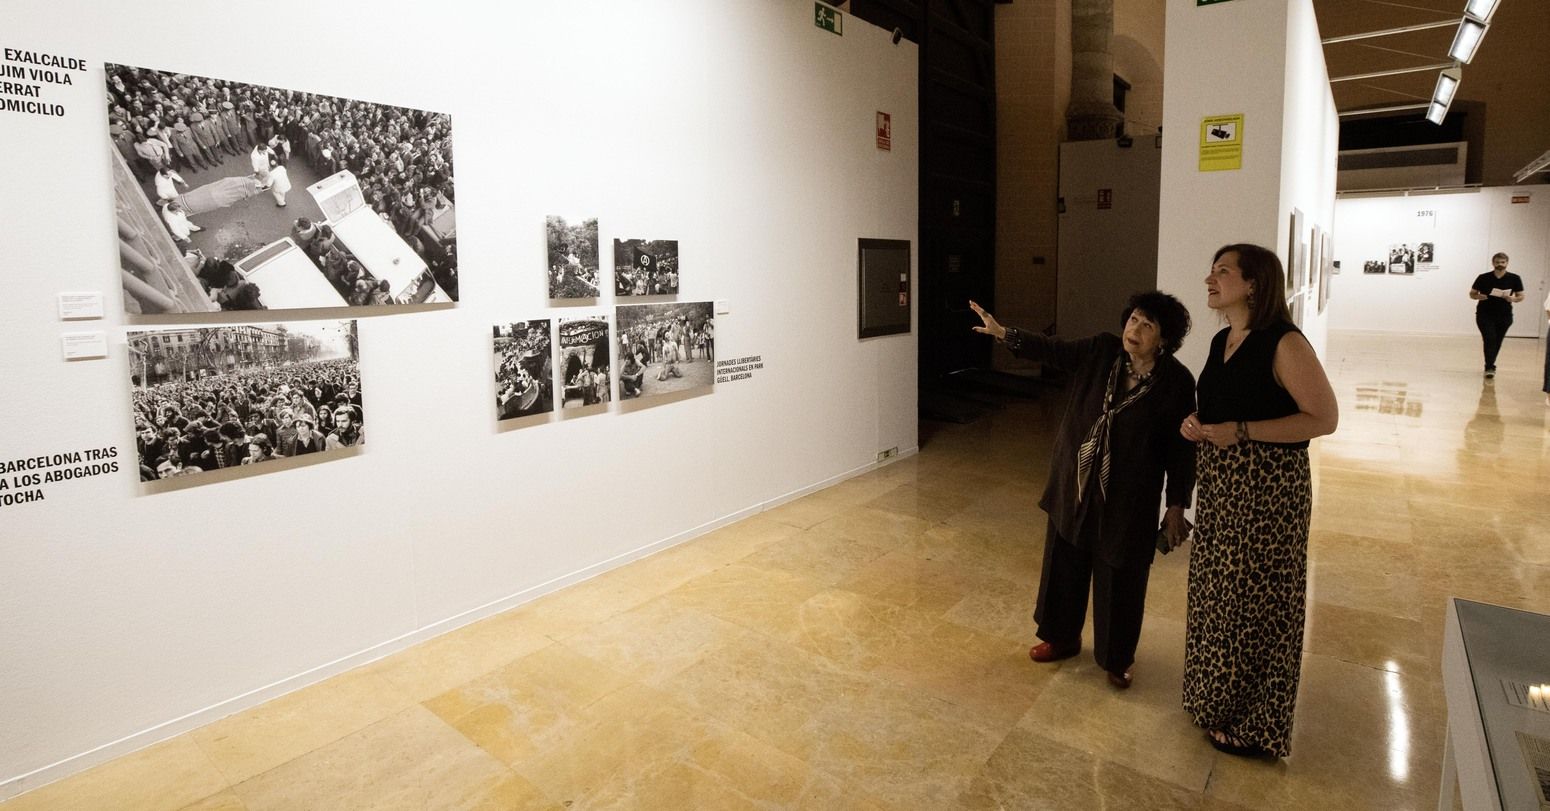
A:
[(1137, 376)]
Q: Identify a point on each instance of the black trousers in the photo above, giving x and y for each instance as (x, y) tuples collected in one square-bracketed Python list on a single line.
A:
[(1493, 328), (1547, 364), (1119, 599)]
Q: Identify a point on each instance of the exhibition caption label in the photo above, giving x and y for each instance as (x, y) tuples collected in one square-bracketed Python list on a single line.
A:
[(21, 480), (738, 368), (23, 74)]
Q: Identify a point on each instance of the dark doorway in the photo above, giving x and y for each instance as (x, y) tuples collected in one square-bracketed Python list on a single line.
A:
[(957, 171)]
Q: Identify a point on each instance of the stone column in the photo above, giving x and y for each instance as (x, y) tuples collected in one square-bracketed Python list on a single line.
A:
[(1092, 115)]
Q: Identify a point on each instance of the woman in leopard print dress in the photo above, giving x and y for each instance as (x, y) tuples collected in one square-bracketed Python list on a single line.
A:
[(1262, 396)]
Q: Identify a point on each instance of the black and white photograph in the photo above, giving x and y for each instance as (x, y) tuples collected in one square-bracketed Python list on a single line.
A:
[(1425, 256), (236, 196), (524, 369), (646, 267), (583, 370), (208, 398), (664, 348), (1402, 259), (1375, 266), (573, 261)]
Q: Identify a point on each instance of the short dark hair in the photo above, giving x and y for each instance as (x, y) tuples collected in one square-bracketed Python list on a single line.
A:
[(1262, 269), (1500, 255), (1171, 317)]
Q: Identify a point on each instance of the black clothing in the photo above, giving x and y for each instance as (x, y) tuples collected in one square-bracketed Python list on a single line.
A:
[(1121, 526), (1118, 602), (1244, 389), (1493, 328), (1495, 305)]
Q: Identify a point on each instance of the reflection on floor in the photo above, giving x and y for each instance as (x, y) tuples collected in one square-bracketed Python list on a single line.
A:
[(865, 647)]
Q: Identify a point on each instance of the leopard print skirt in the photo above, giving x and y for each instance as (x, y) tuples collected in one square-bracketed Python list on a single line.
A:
[(1248, 573)]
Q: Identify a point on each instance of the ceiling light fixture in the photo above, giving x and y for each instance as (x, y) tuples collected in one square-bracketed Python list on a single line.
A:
[(1533, 167), (1481, 9), (1442, 97), (1467, 40)]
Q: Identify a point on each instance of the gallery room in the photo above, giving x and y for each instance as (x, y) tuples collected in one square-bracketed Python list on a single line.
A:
[(898, 404)]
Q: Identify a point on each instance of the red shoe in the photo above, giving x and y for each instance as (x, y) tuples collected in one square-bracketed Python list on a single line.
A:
[(1045, 652), (1121, 681)]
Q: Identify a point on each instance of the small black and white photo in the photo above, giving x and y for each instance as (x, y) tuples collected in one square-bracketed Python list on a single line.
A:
[(583, 371), (1375, 266), (206, 398), (665, 348), (524, 369), (573, 260), (646, 267), (234, 196), (1402, 259)]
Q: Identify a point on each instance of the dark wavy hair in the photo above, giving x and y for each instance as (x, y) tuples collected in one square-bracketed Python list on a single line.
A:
[(1262, 269), (1170, 316)]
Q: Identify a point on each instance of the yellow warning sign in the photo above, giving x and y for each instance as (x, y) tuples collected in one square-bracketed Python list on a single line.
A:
[(1221, 142)]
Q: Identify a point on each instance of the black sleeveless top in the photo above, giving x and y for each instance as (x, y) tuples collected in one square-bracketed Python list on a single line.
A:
[(1245, 388)]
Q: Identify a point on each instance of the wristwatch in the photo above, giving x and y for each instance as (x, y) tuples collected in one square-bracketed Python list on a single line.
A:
[(1243, 431)]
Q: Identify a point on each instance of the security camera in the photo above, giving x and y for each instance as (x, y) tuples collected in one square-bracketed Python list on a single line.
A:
[(898, 34)]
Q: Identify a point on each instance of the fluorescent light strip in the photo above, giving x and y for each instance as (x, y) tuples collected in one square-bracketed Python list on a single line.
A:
[(1481, 9), (1447, 85), (1437, 112), (1467, 40)]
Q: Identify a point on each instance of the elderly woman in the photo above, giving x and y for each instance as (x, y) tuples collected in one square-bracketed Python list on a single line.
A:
[(1263, 395), (1116, 443)]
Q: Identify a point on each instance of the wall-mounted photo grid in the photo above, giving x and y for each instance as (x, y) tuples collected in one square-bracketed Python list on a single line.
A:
[(207, 398), (235, 196), (665, 348), (582, 376), (524, 369)]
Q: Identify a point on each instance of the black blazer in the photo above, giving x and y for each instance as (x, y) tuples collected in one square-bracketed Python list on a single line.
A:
[(1144, 447)]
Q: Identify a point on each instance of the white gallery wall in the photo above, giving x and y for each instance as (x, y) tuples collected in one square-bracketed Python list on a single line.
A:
[(1466, 229), (739, 129), (1261, 59)]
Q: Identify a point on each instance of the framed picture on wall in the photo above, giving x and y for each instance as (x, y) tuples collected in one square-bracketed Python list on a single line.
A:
[(233, 196), (1294, 252), (524, 369), (1326, 269)]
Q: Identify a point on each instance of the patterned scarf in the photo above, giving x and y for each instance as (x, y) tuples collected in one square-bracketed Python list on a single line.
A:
[(1096, 445)]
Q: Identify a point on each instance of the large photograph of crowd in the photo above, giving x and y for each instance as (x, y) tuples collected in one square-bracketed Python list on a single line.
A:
[(524, 369), (236, 196), (218, 397), (665, 348), (583, 370), (646, 267)]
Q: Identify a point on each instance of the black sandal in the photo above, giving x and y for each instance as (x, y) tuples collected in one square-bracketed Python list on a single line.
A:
[(1233, 745)]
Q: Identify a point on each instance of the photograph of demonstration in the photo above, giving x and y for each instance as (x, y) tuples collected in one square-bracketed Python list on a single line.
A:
[(216, 397), (524, 369), (572, 251), (236, 196), (583, 369), (646, 267), (665, 348)]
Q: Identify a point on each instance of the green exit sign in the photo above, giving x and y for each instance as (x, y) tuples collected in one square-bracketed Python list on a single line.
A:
[(829, 19)]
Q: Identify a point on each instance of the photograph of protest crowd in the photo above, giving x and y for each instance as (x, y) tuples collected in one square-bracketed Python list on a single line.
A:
[(665, 348), (216, 397), (646, 267), (573, 264), (524, 369), (236, 196), (583, 370)]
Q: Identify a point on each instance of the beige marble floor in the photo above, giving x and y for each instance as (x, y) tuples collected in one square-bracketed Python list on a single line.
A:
[(865, 647)]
